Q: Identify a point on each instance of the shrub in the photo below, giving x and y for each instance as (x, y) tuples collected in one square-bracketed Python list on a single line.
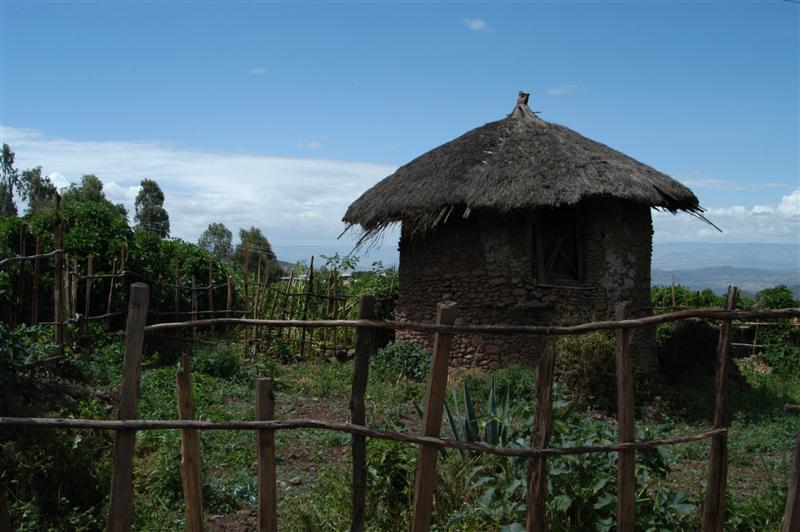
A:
[(220, 361), (402, 359), (586, 364)]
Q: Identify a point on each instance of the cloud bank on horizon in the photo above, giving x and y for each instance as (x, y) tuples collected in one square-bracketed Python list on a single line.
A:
[(300, 202)]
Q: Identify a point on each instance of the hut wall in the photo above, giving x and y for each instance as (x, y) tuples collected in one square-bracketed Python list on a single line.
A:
[(485, 265)]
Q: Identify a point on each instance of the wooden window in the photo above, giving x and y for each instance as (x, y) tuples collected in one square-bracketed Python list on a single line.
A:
[(558, 246)]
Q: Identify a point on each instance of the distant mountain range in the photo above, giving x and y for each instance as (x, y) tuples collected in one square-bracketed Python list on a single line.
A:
[(749, 280), (750, 266)]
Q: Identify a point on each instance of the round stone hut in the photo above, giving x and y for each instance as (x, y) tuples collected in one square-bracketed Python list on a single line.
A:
[(525, 222)]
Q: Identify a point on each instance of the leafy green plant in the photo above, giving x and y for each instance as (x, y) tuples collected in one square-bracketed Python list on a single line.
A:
[(401, 359)]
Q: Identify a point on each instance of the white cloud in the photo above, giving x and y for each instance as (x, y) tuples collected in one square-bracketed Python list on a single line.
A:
[(257, 71), (779, 223), (561, 89), (476, 24), (294, 201)]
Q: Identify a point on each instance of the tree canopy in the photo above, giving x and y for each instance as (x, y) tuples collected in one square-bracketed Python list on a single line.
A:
[(37, 190), (10, 179), (258, 247), (218, 240), (150, 214), (90, 190)]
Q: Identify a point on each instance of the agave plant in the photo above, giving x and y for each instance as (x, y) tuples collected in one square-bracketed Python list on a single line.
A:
[(467, 426)]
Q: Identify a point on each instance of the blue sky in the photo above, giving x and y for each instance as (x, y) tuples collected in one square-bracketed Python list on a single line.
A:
[(218, 101)]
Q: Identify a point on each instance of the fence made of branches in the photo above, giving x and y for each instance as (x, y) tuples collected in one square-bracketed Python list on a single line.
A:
[(429, 441)]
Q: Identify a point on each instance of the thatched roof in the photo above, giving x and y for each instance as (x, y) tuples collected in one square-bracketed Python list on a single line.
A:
[(519, 162)]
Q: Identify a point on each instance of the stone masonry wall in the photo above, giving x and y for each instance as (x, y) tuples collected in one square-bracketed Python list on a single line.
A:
[(485, 265)]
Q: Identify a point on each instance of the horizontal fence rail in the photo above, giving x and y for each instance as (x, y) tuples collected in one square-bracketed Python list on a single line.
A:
[(293, 424), (491, 329)]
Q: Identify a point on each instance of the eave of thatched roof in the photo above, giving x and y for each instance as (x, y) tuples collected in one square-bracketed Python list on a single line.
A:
[(519, 162)]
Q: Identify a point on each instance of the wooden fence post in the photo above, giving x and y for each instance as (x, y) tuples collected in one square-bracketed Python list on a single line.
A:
[(365, 347), (35, 295), (791, 514), (58, 274), (228, 301), (425, 481), (267, 492), (5, 513), (194, 309), (74, 288), (626, 465), (87, 307), (177, 288), (716, 484), (309, 288), (536, 520), (111, 287), (120, 508), (190, 451), (211, 295)]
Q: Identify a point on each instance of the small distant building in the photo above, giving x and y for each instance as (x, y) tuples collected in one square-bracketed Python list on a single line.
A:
[(523, 222)]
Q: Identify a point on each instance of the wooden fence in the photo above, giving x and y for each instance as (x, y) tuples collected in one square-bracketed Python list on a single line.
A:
[(121, 505), (81, 293)]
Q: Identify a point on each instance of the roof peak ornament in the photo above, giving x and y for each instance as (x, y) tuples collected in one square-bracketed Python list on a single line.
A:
[(521, 109)]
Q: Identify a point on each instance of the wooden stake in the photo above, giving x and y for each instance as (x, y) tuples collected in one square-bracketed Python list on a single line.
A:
[(21, 276), (228, 300), (211, 292), (121, 506), (190, 452), (5, 514), (716, 484), (267, 491), (177, 288), (87, 304), (35, 294), (425, 481), (365, 347), (74, 288), (791, 514), (111, 286), (626, 465), (58, 274), (309, 287), (536, 519), (194, 307)]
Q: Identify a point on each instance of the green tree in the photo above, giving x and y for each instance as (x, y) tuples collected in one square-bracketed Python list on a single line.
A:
[(90, 190), (776, 297), (10, 180), (217, 239), (150, 214), (37, 190), (258, 247)]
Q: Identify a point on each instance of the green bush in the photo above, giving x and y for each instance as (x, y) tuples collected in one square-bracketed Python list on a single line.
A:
[(586, 364), (220, 361), (402, 359)]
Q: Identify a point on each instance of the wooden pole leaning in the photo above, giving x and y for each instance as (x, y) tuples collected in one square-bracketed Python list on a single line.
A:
[(716, 484), (365, 347), (425, 480), (120, 508), (626, 465), (267, 489), (190, 451), (536, 519)]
